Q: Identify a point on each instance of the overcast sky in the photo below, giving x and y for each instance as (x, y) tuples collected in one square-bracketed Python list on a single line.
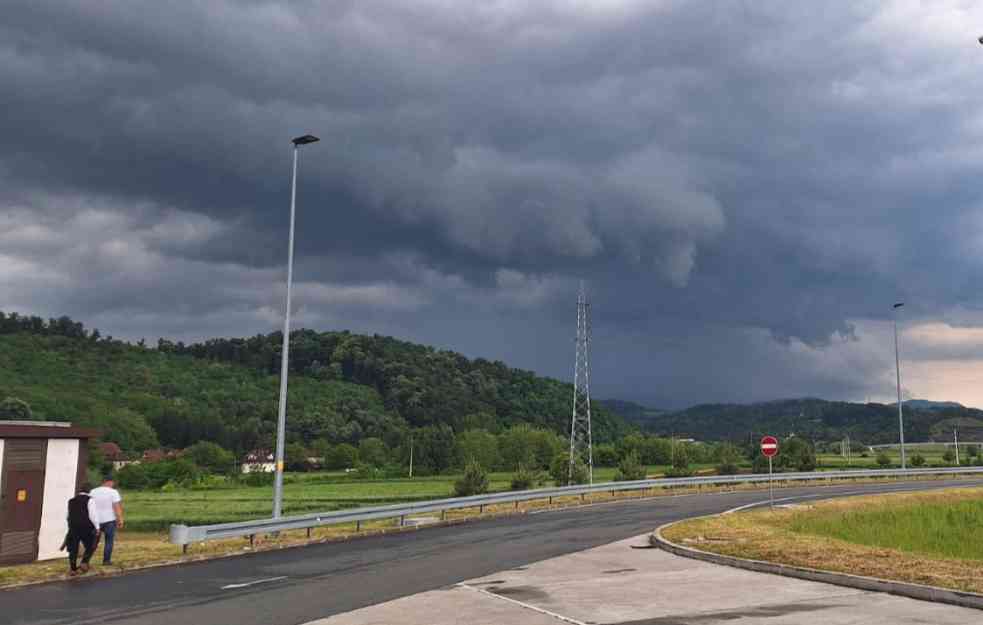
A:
[(747, 186)]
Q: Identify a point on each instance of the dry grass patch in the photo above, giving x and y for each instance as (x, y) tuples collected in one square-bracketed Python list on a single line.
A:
[(769, 535)]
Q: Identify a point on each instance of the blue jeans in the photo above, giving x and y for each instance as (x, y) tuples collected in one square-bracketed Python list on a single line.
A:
[(109, 535)]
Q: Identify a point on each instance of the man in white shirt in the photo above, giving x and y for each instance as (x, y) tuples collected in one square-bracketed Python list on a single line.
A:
[(109, 512)]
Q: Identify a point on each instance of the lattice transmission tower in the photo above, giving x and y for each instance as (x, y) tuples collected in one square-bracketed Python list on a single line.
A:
[(581, 445)]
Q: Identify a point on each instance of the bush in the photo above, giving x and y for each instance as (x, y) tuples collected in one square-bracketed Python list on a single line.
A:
[(368, 472), (605, 456), (210, 457), (473, 482), (630, 469), (727, 458), (972, 450), (373, 451), (256, 478), (949, 456), (679, 472), (339, 457), (560, 471), (918, 460), (883, 459), (524, 479), (133, 477)]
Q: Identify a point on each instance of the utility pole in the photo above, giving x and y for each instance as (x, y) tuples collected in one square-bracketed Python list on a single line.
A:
[(897, 364), (581, 444), (955, 441)]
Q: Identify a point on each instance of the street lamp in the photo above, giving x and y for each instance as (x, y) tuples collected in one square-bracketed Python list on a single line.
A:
[(282, 407), (897, 365)]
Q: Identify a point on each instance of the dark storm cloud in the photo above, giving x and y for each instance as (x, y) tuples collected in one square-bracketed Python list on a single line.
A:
[(767, 175)]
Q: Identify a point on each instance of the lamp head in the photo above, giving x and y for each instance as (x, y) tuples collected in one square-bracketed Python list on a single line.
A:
[(304, 140)]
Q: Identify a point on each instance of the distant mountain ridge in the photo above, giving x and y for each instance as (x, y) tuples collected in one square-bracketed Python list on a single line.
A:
[(821, 420), (632, 412)]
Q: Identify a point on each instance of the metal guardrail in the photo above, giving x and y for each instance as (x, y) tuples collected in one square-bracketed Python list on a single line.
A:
[(187, 534)]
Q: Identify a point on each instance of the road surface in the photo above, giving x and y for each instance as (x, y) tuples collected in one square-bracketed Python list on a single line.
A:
[(292, 586)]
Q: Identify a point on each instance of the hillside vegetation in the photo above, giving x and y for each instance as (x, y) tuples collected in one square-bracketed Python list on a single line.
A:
[(821, 420), (344, 388)]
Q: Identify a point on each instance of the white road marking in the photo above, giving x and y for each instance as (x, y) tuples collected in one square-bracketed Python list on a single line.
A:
[(565, 619), (258, 581)]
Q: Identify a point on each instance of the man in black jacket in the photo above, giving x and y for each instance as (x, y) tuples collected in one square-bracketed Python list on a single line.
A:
[(82, 528)]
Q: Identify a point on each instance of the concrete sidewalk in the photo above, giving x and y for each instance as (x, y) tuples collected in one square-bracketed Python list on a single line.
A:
[(618, 585)]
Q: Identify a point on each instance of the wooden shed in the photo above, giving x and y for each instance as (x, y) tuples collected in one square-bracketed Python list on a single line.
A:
[(41, 466)]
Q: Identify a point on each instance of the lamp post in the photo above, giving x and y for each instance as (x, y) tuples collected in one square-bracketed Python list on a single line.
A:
[(897, 365), (282, 406)]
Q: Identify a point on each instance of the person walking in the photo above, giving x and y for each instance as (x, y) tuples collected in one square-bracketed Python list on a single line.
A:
[(109, 512), (83, 528)]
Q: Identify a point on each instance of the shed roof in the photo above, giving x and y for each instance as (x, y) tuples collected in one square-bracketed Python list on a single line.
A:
[(44, 429)]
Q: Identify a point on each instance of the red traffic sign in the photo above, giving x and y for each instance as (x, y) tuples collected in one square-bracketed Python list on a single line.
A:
[(769, 446)]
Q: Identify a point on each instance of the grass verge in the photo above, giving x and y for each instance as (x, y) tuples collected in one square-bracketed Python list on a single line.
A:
[(928, 538)]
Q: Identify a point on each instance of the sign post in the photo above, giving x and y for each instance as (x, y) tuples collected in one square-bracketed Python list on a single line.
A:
[(769, 447)]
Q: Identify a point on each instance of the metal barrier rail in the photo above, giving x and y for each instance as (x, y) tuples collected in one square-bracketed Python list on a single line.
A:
[(187, 534)]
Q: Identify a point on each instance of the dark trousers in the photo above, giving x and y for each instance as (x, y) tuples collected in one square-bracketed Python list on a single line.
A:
[(84, 536), (108, 537)]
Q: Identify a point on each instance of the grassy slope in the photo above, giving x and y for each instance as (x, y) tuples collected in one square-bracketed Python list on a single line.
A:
[(924, 538), (937, 528)]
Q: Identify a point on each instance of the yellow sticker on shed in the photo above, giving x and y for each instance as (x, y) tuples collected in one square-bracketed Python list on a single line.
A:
[(22, 494)]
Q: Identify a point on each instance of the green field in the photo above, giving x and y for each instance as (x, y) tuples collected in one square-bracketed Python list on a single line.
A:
[(934, 528), (931, 453), (303, 492)]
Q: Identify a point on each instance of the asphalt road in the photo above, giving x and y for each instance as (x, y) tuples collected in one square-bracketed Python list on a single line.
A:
[(313, 582)]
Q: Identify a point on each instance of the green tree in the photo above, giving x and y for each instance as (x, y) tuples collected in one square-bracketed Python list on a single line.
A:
[(473, 482), (373, 452), (127, 429), (798, 454), (524, 479), (295, 457), (433, 449), (949, 456), (560, 470), (478, 445), (630, 469), (883, 459), (918, 460), (15, 409), (339, 457), (517, 446), (605, 456), (210, 457), (728, 456)]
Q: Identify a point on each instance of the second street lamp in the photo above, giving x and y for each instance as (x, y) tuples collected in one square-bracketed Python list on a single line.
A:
[(897, 368), (282, 406)]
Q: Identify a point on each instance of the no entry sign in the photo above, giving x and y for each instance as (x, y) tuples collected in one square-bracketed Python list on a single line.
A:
[(769, 446)]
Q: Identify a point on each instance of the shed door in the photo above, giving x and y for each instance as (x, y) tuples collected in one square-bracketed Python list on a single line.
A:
[(20, 508)]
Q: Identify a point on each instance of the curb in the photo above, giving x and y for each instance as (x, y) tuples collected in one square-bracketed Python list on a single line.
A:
[(860, 582)]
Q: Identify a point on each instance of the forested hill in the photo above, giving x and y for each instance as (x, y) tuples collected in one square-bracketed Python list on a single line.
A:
[(822, 420), (343, 387)]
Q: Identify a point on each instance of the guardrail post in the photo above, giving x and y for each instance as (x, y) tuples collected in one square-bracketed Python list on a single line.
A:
[(184, 548), (402, 520), (358, 526), (308, 532), (252, 540), (516, 504), (550, 502)]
